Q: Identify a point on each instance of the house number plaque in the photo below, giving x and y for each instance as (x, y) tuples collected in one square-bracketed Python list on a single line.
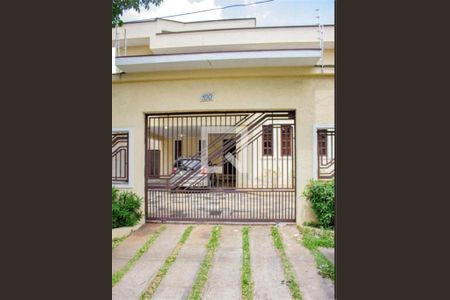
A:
[(207, 97)]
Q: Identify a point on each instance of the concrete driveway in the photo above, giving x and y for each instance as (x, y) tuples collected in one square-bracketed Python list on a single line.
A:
[(224, 276)]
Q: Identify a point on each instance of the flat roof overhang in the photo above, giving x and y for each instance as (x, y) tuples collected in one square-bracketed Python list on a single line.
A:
[(218, 60)]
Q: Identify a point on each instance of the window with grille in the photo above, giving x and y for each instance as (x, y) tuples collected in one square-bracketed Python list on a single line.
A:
[(322, 141), (286, 140), (120, 157), (325, 153), (267, 140)]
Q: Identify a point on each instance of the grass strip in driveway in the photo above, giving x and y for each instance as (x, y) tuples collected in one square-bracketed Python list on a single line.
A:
[(117, 276), (166, 266), (116, 241), (312, 240), (287, 266), (202, 276), (246, 280)]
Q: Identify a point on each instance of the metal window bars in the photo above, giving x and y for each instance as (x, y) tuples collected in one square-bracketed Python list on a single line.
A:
[(120, 157), (325, 153)]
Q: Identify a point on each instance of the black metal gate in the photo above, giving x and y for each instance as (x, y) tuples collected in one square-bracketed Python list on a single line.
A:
[(234, 167)]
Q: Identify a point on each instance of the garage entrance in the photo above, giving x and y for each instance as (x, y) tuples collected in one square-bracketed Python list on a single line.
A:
[(233, 167)]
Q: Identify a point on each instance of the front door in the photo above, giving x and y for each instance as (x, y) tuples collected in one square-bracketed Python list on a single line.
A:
[(229, 169)]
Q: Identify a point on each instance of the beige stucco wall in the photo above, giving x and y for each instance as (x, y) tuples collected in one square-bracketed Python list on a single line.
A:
[(167, 37), (311, 96), (243, 39), (135, 50), (139, 34), (145, 29)]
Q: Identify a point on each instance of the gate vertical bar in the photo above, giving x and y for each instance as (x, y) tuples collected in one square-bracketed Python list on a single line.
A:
[(145, 169)]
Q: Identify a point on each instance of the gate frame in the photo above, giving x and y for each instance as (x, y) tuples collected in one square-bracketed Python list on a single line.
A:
[(206, 112)]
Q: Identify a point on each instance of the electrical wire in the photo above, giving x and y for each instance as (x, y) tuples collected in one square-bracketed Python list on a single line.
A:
[(219, 8)]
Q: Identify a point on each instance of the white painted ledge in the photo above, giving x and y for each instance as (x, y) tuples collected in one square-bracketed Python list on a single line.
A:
[(219, 60)]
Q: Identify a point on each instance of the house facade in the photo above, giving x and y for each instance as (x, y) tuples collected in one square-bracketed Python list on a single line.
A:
[(222, 120)]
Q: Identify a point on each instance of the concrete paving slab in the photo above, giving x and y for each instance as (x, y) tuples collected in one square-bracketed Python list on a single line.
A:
[(267, 270), (224, 277), (126, 250), (312, 285), (179, 279), (134, 283), (328, 252)]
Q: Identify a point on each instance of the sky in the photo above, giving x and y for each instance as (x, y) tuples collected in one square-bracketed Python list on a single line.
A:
[(275, 13)]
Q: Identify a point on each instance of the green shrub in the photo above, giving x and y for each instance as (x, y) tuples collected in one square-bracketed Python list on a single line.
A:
[(321, 195), (125, 208), (115, 194)]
